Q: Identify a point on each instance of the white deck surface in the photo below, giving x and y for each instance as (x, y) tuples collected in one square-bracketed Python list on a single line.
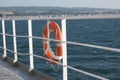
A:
[(8, 72)]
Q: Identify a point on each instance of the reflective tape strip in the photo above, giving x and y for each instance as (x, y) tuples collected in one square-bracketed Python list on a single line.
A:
[(45, 52), (45, 42), (58, 57), (59, 44)]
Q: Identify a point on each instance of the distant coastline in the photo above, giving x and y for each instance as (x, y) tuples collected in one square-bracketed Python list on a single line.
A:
[(55, 17), (73, 11)]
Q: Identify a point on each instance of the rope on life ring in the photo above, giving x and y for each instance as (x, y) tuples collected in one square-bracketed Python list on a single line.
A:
[(48, 53)]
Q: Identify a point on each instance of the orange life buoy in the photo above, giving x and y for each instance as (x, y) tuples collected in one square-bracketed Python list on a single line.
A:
[(57, 55)]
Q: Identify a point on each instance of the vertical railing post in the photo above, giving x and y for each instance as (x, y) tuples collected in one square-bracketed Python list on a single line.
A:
[(14, 42), (65, 75), (30, 45), (4, 38)]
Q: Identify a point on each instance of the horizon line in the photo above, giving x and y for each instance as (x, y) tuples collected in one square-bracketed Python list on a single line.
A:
[(60, 7)]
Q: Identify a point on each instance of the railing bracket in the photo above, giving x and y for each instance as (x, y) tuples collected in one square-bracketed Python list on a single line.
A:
[(31, 72)]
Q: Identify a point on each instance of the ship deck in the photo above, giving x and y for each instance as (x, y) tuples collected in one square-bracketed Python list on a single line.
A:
[(19, 72)]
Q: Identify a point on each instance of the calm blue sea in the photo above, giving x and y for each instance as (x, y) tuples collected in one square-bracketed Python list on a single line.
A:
[(103, 32)]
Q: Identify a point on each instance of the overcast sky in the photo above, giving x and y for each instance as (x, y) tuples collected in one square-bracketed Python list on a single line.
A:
[(64, 3)]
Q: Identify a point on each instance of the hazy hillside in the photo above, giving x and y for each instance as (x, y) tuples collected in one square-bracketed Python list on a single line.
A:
[(32, 10)]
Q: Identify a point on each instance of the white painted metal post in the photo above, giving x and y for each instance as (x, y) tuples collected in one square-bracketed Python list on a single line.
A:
[(14, 42), (30, 45), (4, 38), (65, 75)]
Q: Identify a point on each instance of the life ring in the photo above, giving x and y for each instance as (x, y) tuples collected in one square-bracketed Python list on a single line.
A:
[(48, 53)]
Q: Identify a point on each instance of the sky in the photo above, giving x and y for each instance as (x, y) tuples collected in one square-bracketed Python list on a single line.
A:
[(114, 4)]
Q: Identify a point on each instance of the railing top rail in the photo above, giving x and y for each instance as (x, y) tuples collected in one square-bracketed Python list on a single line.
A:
[(105, 16)]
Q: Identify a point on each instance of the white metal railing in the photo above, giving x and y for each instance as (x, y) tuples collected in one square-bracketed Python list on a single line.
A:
[(14, 42), (31, 55), (4, 38), (70, 67), (30, 45)]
